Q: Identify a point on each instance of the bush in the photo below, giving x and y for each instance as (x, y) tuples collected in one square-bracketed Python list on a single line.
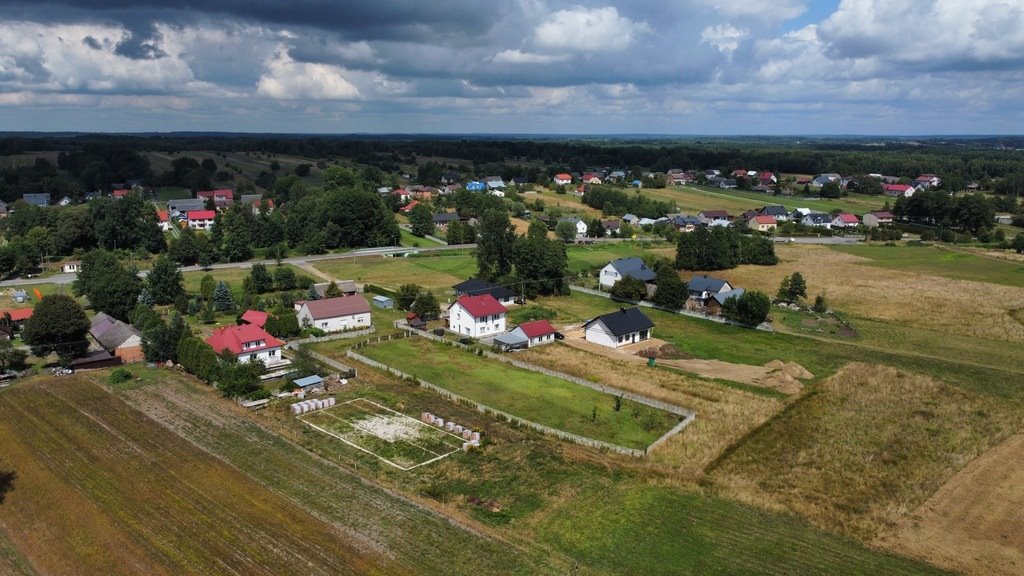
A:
[(120, 376)]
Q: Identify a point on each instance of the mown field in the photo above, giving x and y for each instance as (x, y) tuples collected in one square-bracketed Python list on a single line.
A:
[(529, 395), (867, 446), (134, 498), (694, 199), (435, 272), (940, 261)]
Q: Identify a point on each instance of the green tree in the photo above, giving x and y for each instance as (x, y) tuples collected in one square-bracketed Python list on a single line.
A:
[(222, 299), (494, 246), (596, 229), (160, 342), (629, 288), (332, 290), (541, 265), (312, 293), (58, 325), (165, 281), (797, 287), (565, 230), (259, 280), (206, 287), (146, 298), (820, 304), (1018, 243), (11, 358), (751, 308), (425, 306), (830, 190), (284, 278), (406, 296), (422, 220), (672, 291), (537, 230), (109, 286)]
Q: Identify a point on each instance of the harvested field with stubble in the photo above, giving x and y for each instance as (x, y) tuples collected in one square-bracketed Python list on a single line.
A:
[(973, 523), (869, 445), (101, 489), (724, 414)]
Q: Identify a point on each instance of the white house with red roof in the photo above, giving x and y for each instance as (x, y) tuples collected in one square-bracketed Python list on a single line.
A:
[(121, 192), (905, 190), (221, 197), (201, 219), (537, 332), (164, 220), (248, 342), (928, 181), (335, 314), (562, 179), (845, 220), (477, 316)]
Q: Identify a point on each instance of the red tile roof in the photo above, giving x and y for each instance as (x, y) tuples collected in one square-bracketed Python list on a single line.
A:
[(255, 317), (848, 218), (120, 192), (764, 219), (563, 176), (337, 307), (202, 214), (882, 214), (225, 192), (161, 215), (233, 337), (18, 314), (896, 187), (537, 328), (482, 305), (408, 207)]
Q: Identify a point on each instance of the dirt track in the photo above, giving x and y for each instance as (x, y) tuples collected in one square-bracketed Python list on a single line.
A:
[(975, 522)]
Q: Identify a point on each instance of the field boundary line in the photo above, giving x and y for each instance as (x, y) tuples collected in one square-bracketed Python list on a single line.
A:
[(356, 446)]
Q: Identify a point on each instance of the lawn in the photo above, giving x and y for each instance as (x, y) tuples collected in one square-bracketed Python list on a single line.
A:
[(126, 484), (867, 447), (165, 193), (695, 199), (938, 261), (530, 395), (659, 530), (233, 276), (435, 272)]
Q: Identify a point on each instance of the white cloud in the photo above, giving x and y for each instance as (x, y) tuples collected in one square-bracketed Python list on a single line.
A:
[(588, 30), (286, 79), (767, 10), (725, 37), (929, 33), (520, 57)]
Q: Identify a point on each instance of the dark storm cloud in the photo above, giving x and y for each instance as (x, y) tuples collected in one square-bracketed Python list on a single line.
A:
[(394, 20)]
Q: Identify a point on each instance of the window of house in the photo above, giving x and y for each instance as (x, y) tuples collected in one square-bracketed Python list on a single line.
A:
[(252, 357), (273, 353)]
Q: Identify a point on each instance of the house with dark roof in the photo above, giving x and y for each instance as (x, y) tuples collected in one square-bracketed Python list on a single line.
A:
[(184, 205), (703, 287), (620, 328), (618, 269), (443, 219), (477, 316), (117, 338), (247, 343), (780, 213), (714, 217), (686, 223), (475, 287), (714, 304), (817, 219), (878, 218), (335, 314), (41, 200)]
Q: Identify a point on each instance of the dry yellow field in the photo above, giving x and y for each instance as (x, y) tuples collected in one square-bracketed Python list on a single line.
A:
[(724, 414), (870, 445), (945, 305), (973, 523)]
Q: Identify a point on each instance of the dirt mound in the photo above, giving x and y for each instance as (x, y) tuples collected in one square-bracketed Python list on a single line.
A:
[(791, 369), (775, 365), (665, 352), (780, 381)]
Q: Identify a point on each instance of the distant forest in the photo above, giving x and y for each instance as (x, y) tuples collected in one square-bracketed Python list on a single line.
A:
[(89, 161)]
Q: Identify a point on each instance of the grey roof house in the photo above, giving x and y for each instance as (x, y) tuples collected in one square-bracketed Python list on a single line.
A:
[(620, 328), (618, 269)]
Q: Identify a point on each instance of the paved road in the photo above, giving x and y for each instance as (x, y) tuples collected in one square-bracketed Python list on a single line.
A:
[(819, 240), (300, 261)]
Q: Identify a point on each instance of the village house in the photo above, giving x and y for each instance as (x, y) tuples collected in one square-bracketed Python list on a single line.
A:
[(248, 343), (845, 220), (201, 219), (817, 220), (527, 335), (222, 197), (713, 305), (185, 205), (335, 314), (117, 338), (578, 223), (928, 181), (620, 328), (257, 318), (762, 223), (71, 267), (714, 217), (878, 218), (591, 178), (443, 219), (163, 220), (702, 288), (42, 200), (476, 186), (476, 287), (778, 212), (632, 267), (822, 179), (476, 316), (897, 190), (562, 179)]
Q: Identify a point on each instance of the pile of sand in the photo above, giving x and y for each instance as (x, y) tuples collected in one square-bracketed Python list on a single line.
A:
[(665, 352), (791, 369)]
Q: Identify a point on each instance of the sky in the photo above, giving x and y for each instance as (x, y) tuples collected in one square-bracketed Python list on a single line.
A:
[(689, 67)]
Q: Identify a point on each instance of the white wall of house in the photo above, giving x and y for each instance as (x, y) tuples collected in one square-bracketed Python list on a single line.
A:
[(462, 322), (268, 356), (336, 324), (200, 224), (599, 334), (609, 276), (539, 340)]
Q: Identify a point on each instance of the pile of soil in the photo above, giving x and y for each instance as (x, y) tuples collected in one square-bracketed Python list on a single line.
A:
[(665, 352), (791, 369)]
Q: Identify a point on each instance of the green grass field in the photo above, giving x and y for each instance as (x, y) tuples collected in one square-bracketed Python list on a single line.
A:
[(530, 395), (694, 199), (233, 276), (434, 272), (659, 530), (938, 261)]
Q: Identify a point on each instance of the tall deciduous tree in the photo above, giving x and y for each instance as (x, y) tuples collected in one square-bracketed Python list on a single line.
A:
[(751, 308), (425, 306), (494, 246), (672, 291), (422, 220), (59, 325), (165, 281), (109, 286)]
